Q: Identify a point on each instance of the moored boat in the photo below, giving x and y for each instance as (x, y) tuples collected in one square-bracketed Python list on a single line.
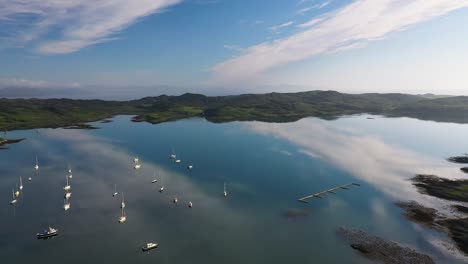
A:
[(50, 232), (150, 246)]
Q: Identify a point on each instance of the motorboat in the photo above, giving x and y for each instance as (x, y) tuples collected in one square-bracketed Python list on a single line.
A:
[(149, 246), (51, 232)]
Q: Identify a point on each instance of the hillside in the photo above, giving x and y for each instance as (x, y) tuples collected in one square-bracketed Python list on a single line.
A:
[(272, 107)]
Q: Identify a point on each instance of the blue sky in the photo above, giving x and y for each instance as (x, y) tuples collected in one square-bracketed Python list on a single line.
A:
[(236, 46)]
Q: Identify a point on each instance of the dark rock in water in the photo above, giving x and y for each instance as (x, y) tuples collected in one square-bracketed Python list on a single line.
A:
[(295, 213), (418, 213), (464, 169), (458, 231), (460, 208), (459, 159), (106, 121), (454, 190), (378, 249)]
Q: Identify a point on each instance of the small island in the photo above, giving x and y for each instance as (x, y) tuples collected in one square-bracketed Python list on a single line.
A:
[(4, 142)]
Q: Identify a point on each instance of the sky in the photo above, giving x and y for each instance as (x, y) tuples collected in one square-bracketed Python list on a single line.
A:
[(145, 47)]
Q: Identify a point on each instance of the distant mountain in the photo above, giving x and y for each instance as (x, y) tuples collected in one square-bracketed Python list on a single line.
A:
[(270, 107)]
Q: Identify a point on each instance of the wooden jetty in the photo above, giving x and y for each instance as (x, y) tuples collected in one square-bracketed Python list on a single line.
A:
[(332, 190)]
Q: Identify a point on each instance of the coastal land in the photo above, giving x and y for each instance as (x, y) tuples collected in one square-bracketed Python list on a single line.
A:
[(271, 107)]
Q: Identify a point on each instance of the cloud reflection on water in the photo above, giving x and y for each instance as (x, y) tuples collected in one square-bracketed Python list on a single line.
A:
[(367, 157)]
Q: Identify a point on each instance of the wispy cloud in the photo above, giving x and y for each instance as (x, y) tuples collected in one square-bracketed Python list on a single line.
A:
[(304, 10), (233, 47), (27, 83), (77, 24), (280, 26), (360, 22)]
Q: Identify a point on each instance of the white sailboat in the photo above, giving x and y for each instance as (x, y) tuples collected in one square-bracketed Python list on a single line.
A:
[(68, 186), (154, 177), (66, 205), (136, 160), (137, 164), (178, 161), (68, 195), (190, 204), (14, 197), (175, 200), (21, 184), (70, 175), (30, 179), (190, 166), (123, 218), (37, 164), (173, 155), (122, 204), (162, 185), (115, 191), (17, 193), (225, 192)]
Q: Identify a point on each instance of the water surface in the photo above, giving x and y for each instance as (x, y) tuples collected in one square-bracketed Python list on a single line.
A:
[(266, 167)]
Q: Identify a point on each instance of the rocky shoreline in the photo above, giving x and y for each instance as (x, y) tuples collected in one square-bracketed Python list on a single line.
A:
[(378, 249)]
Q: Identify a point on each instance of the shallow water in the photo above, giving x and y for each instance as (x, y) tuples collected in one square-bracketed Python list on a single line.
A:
[(266, 167)]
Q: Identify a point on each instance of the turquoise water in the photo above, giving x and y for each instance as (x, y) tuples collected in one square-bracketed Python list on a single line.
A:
[(266, 167)]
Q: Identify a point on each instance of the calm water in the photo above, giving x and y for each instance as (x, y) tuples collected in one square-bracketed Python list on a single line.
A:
[(266, 168)]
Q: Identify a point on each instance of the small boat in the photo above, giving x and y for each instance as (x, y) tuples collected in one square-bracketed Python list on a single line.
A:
[(70, 176), (69, 170), (190, 204), (21, 184), (51, 232), (66, 205), (68, 186), (136, 160), (150, 246), (123, 218), (178, 161), (137, 166), (37, 165), (173, 155), (225, 192), (154, 177), (14, 197), (115, 191), (190, 166), (175, 200), (162, 185), (68, 195), (122, 204), (29, 179), (17, 193)]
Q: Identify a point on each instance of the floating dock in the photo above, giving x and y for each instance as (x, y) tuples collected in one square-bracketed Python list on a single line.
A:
[(332, 191)]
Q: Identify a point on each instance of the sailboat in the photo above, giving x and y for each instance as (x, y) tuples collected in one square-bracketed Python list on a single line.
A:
[(68, 195), (190, 204), (225, 192), (123, 218), (136, 160), (137, 166), (30, 179), (14, 198), (154, 177), (162, 185), (115, 191), (68, 186), (173, 155), (66, 205), (70, 175), (122, 204), (175, 200), (17, 193), (190, 166), (21, 184), (37, 165), (178, 161)]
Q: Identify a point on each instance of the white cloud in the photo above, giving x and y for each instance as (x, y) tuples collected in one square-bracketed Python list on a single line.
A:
[(359, 22), (26, 83), (280, 26), (79, 23), (233, 48)]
